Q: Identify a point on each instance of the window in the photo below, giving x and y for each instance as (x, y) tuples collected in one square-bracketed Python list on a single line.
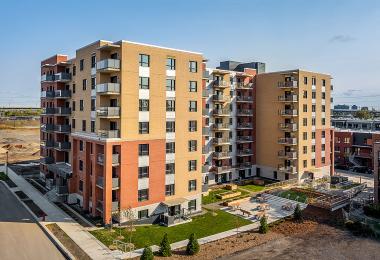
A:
[(313, 108), (143, 195), (323, 160), (193, 66), (323, 147), (323, 108), (313, 121), (193, 86), (143, 149), (170, 147), (304, 135), (304, 121), (143, 214), (92, 126), (192, 145), (73, 105), (93, 82), (192, 106), (323, 95), (74, 71), (313, 81), (313, 148), (170, 84), (93, 61), (323, 134), (170, 105), (80, 145), (80, 165), (143, 104), (84, 84), (170, 168), (144, 60), (192, 185), (192, 205), (143, 172), (304, 94), (312, 162), (81, 65), (93, 104), (312, 135), (170, 64), (170, 127), (313, 95), (143, 127), (81, 105), (304, 163), (192, 165), (192, 126), (80, 185), (304, 149), (305, 108), (144, 82), (73, 123), (169, 190), (83, 125), (305, 80), (323, 120)]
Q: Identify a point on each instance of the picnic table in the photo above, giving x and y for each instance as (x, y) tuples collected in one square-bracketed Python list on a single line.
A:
[(287, 206), (243, 211), (263, 206)]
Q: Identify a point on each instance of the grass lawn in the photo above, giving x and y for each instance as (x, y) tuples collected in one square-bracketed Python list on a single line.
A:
[(211, 197), (253, 187), (292, 195), (202, 226), (3, 177)]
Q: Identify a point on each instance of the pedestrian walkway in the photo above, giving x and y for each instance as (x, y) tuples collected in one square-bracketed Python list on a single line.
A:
[(88, 243)]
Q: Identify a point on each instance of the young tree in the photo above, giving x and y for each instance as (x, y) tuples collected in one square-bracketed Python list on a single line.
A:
[(165, 249), (298, 213), (264, 228), (193, 245), (147, 254)]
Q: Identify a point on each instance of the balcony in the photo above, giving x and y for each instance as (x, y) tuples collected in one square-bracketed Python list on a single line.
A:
[(205, 112), (220, 141), (109, 133), (244, 99), (222, 169), (115, 159), (108, 112), (62, 94), (220, 126), (47, 127), (205, 131), (221, 112), (244, 165), (288, 98), (47, 143), (287, 169), (62, 146), (221, 98), (47, 78), (245, 112), (244, 152), (108, 65), (47, 160), (287, 155), (108, 89), (47, 94), (290, 127), (287, 141), (244, 139), (100, 183), (205, 93), (220, 84), (62, 77), (293, 84), (242, 85), (100, 206), (62, 111), (62, 129), (289, 112), (221, 155), (205, 168), (244, 126), (48, 110)]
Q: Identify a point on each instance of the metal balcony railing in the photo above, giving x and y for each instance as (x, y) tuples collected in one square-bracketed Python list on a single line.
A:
[(62, 94), (108, 111), (243, 152), (287, 155), (219, 155), (221, 112), (108, 88), (62, 111), (62, 146), (109, 133), (100, 182), (244, 125), (242, 85), (289, 141), (244, 98), (289, 112), (115, 159), (108, 64), (47, 127), (288, 98), (221, 98), (244, 112), (220, 84), (287, 169), (288, 84), (62, 128), (62, 77), (221, 140), (244, 139), (291, 127), (219, 126)]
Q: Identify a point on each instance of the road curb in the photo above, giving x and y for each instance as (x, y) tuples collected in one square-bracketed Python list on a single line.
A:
[(66, 253)]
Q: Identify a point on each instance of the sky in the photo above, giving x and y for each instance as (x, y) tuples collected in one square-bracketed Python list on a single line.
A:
[(338, 37)]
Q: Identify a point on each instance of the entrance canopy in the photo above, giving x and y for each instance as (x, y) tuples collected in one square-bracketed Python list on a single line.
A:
[(174, 202)]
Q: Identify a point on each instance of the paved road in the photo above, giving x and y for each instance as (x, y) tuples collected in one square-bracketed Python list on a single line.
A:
[(20, 237), (357, 177)]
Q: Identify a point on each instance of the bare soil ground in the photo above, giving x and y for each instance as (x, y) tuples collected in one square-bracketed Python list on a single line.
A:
[(22, 144), (316, 238)]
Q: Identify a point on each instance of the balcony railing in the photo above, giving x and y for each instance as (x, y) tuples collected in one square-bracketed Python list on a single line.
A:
[(100, 206), (288, 98), (205, 93), (220, 84), (287, 155), (62, 128), (47, 94), (205, 131), (287, 169), (244, 165), (108, 88), (220, 169), (219, 155), (221, 112), (221, 98), (108, 65), (220, 126), (47, 143), (244, 152), (47, 160), (62, 77), (244, 99), (288, 84), (241, 85), (108, 111), (291, 127), (47, 78), (205, 168), (47, 127), (100, 182), (62, 111), (62, 94), (221, 140), (244, 125), (289, 141), (48, 111), (109, 133), (244, 112), (289, 112), (62, 146), (115, 159), (244, 139)]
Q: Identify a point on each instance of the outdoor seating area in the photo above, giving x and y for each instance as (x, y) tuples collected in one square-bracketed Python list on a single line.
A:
[(271, 206)]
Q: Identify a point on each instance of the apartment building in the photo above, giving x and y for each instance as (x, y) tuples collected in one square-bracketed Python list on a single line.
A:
[(376, 167), (132, 138), (293, 134), (355, 124), (228, 131)]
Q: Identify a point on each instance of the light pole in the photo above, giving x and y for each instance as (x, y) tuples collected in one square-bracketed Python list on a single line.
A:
[(6, 164)]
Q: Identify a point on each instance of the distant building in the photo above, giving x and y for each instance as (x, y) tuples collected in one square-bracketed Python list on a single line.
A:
[(376, 169), (241, 66)]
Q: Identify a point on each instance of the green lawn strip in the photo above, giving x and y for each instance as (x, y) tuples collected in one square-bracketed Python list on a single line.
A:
[(252, 187), (202, 226), (289, 194), (212, 198)]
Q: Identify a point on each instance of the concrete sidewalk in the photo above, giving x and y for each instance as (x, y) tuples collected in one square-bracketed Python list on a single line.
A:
[(88, 243)]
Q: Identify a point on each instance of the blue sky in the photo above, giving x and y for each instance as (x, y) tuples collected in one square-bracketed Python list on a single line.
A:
[(339, 37)]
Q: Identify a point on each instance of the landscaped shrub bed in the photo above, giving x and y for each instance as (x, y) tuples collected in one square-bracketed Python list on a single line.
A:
[(372, 211)]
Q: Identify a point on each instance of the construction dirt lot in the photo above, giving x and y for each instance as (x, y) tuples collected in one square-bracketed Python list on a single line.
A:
[(22, 144), (316, 238)]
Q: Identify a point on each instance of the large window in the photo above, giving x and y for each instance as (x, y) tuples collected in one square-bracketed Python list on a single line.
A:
[(193, 66), (143, 104), (143, 149), (143, 214), (192, 165), (192, 205), (192, 86), (169, 190), (93, 82), (170, 105), (93, 61), (170, 64), (81, 105), (170, 168), (192, 106), (143, 172), (143, 195), (192, 185), (192, 145), (192, 126), (144, 60), (83, 125), (144, 83), (84, 84), (143, 127), (170, 127), (170, 84), (170, 147), (81, 65)]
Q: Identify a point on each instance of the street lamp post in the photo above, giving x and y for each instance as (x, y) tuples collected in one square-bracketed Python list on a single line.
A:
[(6, 164)]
